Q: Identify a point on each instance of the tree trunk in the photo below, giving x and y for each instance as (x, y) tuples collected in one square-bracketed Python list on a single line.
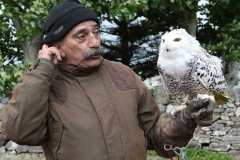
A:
[(192, 16), (32, 47), (189, 19), (124, 48)]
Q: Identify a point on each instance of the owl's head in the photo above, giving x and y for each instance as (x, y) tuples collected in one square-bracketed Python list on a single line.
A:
[(178, 39)]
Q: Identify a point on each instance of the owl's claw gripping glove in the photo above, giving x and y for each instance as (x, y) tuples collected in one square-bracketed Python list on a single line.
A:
[(169, 132)]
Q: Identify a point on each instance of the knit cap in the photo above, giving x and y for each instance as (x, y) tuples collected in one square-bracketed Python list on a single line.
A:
[(63, 17)]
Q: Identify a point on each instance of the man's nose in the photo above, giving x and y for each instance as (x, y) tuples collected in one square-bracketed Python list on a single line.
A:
[(94, 41)]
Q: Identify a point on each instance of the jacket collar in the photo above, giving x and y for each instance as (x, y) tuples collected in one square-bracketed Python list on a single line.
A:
[(78, 71)]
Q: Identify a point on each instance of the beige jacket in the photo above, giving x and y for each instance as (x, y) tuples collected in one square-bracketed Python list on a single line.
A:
[(76, 114)]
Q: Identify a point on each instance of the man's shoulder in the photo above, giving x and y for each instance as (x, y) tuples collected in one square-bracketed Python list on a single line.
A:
[(122, 75), (116, 65)]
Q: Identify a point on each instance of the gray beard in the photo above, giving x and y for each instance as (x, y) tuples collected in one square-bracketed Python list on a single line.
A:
[(93, 52)]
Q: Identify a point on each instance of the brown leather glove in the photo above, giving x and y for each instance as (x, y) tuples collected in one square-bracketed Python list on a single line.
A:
[(200, 112), (169, 132)]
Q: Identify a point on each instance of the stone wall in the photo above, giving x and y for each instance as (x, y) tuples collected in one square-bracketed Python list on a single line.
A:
[(222, 136)]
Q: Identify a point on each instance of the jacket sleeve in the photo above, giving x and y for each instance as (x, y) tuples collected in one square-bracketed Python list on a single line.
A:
[(24, 116), (148, 110)]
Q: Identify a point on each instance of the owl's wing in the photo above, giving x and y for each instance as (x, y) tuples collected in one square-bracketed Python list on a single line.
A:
[(208, 69), (163, 80)]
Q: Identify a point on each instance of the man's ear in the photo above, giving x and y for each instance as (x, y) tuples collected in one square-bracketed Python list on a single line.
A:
[(55, 44)]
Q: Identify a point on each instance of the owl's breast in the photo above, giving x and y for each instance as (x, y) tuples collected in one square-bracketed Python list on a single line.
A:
[(177, 67)]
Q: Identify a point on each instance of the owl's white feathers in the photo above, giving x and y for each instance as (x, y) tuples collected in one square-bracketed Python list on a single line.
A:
[(186, 69)]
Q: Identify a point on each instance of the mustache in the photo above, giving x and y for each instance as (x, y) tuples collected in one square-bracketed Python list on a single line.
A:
[(93, 51)]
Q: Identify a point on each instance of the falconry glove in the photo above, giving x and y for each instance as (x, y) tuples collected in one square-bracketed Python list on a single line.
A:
[(200, 112), (170, 132)]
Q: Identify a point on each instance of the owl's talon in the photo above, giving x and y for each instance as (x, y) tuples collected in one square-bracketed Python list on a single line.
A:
[(178, 109)]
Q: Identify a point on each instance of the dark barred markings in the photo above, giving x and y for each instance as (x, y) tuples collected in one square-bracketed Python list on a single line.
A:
[(186, 86)]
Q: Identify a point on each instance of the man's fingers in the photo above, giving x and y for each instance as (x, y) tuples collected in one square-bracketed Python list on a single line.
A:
[(55, 54), (51, 53), (44, 46)]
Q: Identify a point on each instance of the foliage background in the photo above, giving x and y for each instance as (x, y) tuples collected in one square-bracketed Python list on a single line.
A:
[(131, 31)]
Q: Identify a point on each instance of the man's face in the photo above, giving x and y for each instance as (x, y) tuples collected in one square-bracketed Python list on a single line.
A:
[(78, 41)]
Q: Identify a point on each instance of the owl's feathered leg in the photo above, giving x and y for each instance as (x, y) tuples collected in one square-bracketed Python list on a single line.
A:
[(181, 107)]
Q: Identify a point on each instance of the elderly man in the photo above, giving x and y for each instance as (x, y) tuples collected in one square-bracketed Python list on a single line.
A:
[(79, 106)]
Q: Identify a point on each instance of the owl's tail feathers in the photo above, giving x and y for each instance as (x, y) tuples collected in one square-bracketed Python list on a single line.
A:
[(221, 98)]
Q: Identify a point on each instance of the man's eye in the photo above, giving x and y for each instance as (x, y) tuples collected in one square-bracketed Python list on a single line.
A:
[(81, 37), (96, 33)]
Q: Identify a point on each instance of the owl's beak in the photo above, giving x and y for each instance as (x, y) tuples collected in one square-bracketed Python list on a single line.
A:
[(167, 50)]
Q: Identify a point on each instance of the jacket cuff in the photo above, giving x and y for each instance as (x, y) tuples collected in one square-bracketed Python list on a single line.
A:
[(43, 63)]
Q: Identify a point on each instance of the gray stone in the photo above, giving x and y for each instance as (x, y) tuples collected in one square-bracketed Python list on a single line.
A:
[(235, 146), (231, 138), (218, 110), (162, 108), (230, 105), (35, 149), (11, 146), (234, 132), (237, 113), (2, 150), (219, 133), (230, 110), (216, 126), (224, 117), (231, 114), (204, 140), (170, 108), (195, 144), (235, 119), (220, 147), (2, 105), (225, 122), (237, 102), (234, 152), (216, 116), (161, 96), (205, 128), (236, 125), (214, 140), (22, 149), (13, 152), (5, 100)]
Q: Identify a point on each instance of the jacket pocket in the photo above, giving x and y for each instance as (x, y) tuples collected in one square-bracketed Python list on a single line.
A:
[(55, 136)]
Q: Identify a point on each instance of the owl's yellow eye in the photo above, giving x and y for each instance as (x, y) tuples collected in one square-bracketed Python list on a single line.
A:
[(177, 39)]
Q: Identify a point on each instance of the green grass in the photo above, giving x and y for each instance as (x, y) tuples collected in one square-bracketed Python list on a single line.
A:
[(23, 156), (199, 154)]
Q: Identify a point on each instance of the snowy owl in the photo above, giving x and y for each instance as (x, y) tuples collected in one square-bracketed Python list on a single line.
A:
[(188, 71)]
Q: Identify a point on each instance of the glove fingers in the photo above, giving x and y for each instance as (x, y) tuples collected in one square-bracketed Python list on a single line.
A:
[(196, 114), (200, 104), (210, 106)]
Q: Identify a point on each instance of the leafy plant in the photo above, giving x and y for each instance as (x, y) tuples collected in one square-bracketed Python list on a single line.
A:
[(10, 75)]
